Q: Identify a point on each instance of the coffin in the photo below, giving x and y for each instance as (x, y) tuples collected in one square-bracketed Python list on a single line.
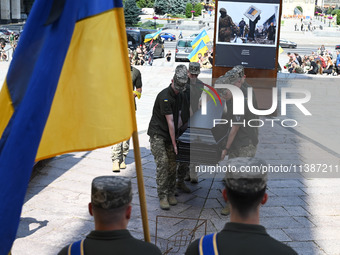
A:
[(201, 142)]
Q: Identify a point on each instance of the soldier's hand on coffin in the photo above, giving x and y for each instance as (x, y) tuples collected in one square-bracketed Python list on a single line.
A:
[(224, 153)]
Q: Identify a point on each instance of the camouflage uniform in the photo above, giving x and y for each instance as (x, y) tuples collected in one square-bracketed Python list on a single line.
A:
[(240, 237), (165, 160), (168, 102), (192, 95), (120, 151), (110, 195)]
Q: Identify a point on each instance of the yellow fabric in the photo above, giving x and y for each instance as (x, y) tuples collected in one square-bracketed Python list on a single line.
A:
[(6, 108), (280, 50), (215, 244), (202, 51), (93, 106), (82, 247), (201, 245), (205, 40)]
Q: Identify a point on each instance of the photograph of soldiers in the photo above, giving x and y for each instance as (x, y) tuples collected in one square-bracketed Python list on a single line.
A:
[(163, 128), (254, 27), (227, 29)]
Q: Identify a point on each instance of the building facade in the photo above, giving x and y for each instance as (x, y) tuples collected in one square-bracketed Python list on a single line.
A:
[(294, 7), (12, 11)]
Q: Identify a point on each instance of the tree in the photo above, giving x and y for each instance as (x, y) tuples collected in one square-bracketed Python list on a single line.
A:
[(177, 7), (338, 17), (198, 9), (161, 6), (145, 3), (188, 10), (131, 13)]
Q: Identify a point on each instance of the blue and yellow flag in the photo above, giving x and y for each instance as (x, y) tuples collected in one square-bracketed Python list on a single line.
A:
[(68, 88), (152, 36), (201, 36), (201, 48)]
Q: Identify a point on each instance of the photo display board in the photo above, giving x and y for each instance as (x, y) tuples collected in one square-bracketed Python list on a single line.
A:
[(247, 33)]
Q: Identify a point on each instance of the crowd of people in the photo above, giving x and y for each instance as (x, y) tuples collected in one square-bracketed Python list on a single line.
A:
[(321, 62), (142, 55)]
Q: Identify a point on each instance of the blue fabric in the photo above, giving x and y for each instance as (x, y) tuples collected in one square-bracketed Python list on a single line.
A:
[(32, 81), (76, 249), (208, 245), (199, 37)]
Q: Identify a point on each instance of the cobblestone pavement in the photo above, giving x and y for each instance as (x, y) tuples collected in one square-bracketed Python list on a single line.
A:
[(302, 211)]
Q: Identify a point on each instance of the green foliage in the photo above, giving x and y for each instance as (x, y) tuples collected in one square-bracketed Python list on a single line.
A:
[(161, 6), (131, 13), (329, 10), (299, 8), (334, 12), (177, 7), (317, 9), (188, 10), (197, 9), (145, 3), (338, 17), (182, 16), (149, 25)]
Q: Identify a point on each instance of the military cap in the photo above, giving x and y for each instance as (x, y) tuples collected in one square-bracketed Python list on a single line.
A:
[(109, 192), (180, 77), (246, 175), (232, 76), (194, 68), (239, 69), (223, 10)]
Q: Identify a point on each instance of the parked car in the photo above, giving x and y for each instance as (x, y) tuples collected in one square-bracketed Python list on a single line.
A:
[(337, 47), (168, 36), (287, 44), (193, 35), (183, 49), (3, 38), (136, 36)]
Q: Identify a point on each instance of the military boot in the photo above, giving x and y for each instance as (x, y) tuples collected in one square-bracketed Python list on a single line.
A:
[(187, 177), (183, 187), (172, 200), (164, 204), (193, 176), (115, 167), (123, 165), (226, 210)]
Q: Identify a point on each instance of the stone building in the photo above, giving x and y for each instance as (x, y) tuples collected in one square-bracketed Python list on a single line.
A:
[(293, 7), (12, 11)]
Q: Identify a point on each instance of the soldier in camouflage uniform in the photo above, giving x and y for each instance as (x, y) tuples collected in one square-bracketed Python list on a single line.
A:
[(192, 95), (111, 208), (246, 193), (120, 151), (227, 28), (163, 129), (242, 139)]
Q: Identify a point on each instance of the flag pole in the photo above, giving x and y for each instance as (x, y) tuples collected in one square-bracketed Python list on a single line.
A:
[(141, 190)]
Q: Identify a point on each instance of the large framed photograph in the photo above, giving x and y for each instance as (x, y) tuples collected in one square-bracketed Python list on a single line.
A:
[(247, 33), (247, 23)]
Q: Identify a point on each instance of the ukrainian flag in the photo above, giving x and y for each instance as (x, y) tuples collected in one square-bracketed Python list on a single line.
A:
[(152, 36), (201, 48), (68, 88), (201, 36)]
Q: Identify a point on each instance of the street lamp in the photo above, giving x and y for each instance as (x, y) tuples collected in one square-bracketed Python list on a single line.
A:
[(154, 17), (192, 14)]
